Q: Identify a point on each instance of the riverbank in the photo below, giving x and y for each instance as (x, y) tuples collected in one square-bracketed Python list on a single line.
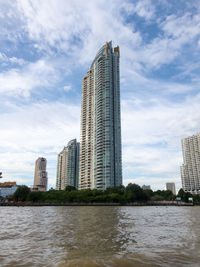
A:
[(148, 203)]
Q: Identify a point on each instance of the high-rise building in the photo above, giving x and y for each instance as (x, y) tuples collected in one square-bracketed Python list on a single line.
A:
[(100, 145), (190, 170), (68, 166), (40, 178), (171, 187)]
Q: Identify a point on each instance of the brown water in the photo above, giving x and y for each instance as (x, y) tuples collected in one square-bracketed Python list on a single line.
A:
[(99, 236)]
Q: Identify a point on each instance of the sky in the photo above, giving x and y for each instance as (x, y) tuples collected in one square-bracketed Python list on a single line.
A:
[(46, 47)]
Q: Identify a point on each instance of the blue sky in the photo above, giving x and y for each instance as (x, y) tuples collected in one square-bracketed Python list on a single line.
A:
[(46, 47)]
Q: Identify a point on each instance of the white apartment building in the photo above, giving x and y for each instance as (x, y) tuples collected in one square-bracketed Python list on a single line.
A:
[(190, 170)]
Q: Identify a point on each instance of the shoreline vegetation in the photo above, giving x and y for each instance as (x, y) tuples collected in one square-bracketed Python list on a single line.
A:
[(131, 195), (135, 204)]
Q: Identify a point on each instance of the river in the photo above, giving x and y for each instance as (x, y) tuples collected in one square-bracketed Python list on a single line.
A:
[(99, 236)]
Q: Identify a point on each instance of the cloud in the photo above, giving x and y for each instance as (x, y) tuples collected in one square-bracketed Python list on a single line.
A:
[(67, 88), (152, 136), (28, 132), (144, 9), (77, 28), (176, 31), (54, 23), (20, 81), (12, 60), (185, 27)]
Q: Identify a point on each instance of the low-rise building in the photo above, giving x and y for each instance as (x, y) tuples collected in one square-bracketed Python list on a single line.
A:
[(7, 188)]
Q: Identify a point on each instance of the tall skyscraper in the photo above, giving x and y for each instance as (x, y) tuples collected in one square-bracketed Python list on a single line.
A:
[(40, 177), (190, 170), (171, 187), (100, 145), (68, 166)]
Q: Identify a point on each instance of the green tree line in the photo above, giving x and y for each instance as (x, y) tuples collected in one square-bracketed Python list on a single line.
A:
[(130, 193)]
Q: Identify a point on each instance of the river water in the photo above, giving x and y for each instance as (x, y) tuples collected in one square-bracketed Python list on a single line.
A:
[(99, 236)]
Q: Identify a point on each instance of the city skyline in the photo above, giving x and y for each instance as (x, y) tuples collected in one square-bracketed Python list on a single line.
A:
[(45, 51)]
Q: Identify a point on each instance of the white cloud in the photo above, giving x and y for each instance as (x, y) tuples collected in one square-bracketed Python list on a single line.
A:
[(13, 60), (28, 132), (54, 22), (80, 28), (67, 88), (185, 27), (177, 31), (77, 28), (20, 81), (143, 8), (152, 136)]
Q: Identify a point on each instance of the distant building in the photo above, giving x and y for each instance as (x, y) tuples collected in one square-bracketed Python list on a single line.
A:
[(171, 187), (7, 189), (190, 170), (68, 166), (145, 187), (40, 177)]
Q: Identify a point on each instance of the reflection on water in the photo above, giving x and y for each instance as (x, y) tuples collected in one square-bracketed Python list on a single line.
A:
[(99, 236)]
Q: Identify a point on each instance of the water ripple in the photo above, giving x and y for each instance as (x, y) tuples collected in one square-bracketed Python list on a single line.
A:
[(99, 236)]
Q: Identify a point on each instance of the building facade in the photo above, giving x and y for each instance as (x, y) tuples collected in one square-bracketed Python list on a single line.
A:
[(190, 170), (100, 145), (40, 177), (171, 187), (68, 166), (7, 189), (146, 187)]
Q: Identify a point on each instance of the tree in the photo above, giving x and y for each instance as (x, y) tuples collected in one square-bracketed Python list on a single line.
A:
[(35, 196), (184, 195), (10, 198), (22, 192), (196, 198), (163, 194), (181, 193), (149, 193), (136, 191), (70, 188), (157, 197), (117, 189)]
